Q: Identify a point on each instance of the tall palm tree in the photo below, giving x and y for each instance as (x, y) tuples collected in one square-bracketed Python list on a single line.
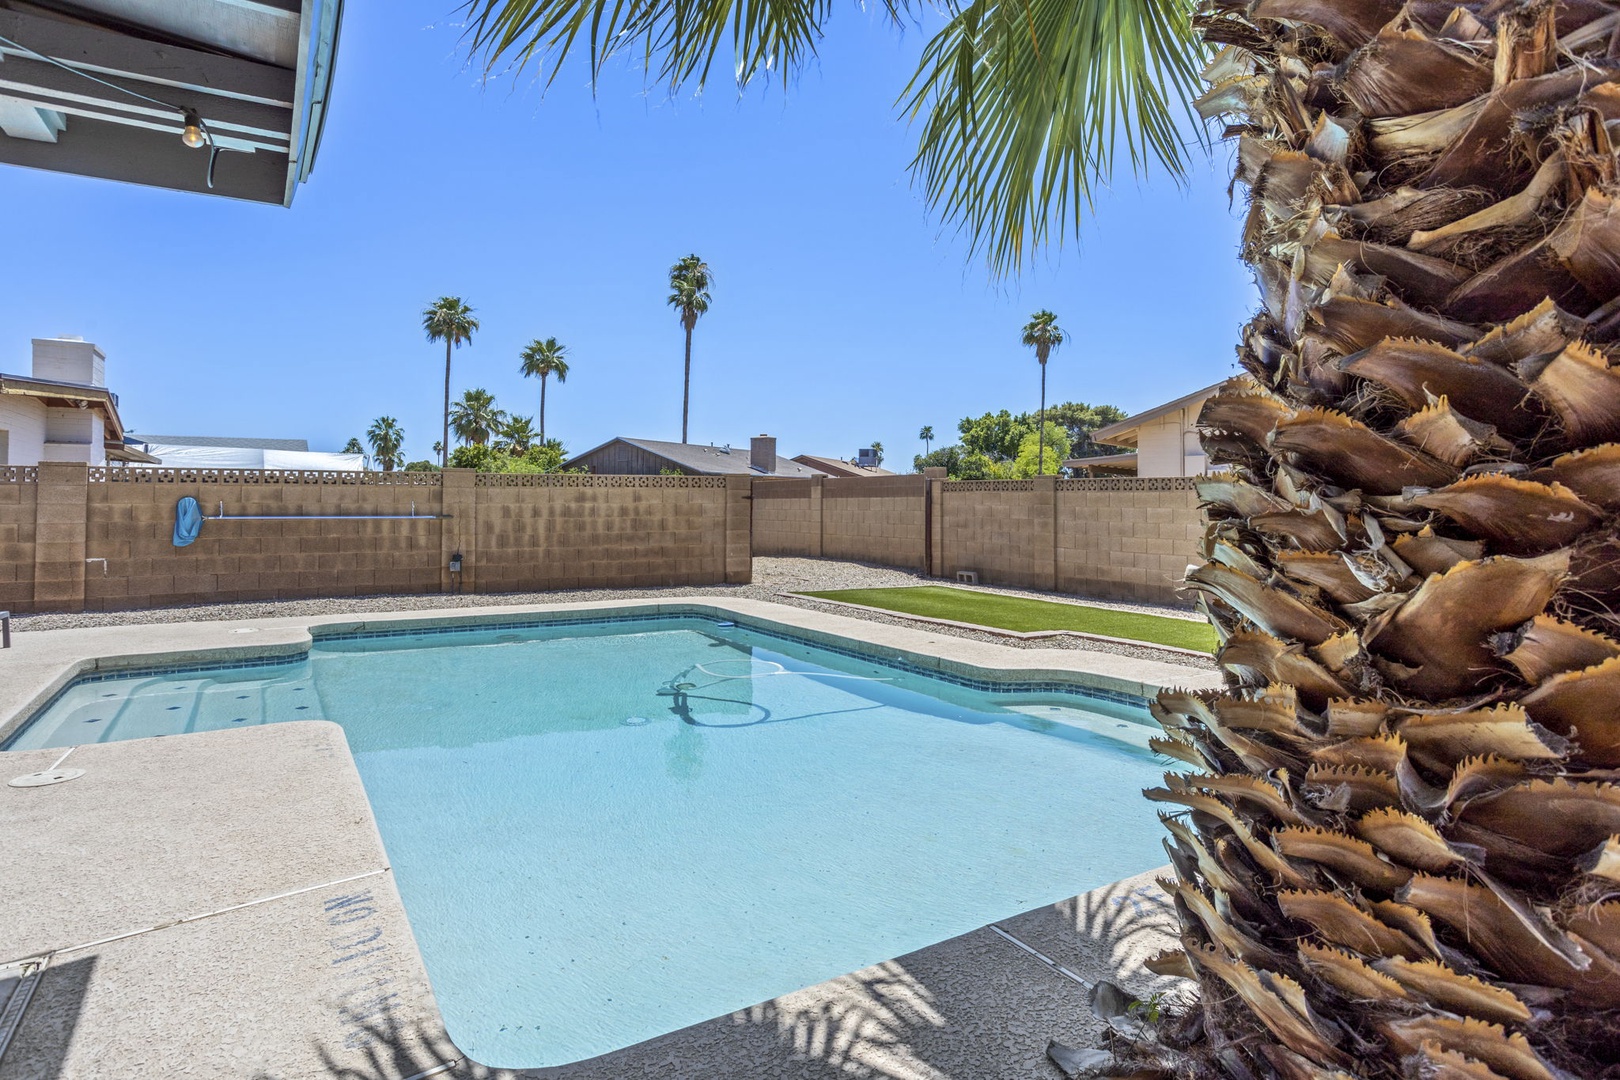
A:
[(475, 418), (1397, 851), (387, 440), (927, 437), (452, 322), (1042, 334), (689, 282), (544, 358)]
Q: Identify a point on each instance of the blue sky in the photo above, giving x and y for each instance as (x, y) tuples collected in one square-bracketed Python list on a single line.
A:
[(843, 313)]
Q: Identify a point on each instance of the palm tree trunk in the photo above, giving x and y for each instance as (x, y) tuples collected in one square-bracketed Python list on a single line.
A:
[(444, 444), (1040, 462), (542, 409), (686, 386), (1398, 846)]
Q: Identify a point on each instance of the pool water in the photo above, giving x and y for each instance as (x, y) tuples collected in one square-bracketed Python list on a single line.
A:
[(602, 833)]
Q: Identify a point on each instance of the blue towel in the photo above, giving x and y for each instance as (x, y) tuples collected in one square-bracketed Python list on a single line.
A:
[(187, 521)]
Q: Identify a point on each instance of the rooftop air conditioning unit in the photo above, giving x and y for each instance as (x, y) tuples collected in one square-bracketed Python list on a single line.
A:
[(866, 458)]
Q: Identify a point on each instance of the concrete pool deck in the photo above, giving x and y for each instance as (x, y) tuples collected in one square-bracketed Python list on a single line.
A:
[(221, 905)]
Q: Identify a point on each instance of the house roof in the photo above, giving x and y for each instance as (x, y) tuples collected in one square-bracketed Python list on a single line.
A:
[(57, 395), (1111, 462), (838, 466), (102, 88), (223, 440), (1114, 434), (707, 460)]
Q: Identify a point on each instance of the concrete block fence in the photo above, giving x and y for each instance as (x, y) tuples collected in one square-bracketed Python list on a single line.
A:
[(1120, 538), (75, 537)]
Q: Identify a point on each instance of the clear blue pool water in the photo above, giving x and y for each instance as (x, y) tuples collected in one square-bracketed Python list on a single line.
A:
[(606, 832)]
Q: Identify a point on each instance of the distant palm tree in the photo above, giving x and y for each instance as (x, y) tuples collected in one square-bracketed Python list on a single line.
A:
[(438, 448), (450, 321), (1043, 334), (877, 451), (927, 437), (689, 282), (387, 440), (353, 447), (544, 358), (475, 418), (517, 435)]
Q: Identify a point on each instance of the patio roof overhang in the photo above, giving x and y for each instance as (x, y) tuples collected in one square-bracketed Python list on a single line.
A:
[(59, 395), (101, 88)]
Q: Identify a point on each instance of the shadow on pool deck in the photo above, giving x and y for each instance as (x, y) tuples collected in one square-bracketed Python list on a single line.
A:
[(975, 1007)]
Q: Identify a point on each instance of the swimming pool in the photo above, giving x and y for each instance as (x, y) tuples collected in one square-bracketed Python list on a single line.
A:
[(607, 831)]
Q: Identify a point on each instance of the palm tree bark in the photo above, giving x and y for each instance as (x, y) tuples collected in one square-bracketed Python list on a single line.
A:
[(1399, 845), (542, 410), (686, 384), (1040, 460), (444, 445)]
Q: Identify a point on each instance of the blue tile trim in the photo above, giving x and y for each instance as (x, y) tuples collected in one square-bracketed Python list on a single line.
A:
[(1065, 688)]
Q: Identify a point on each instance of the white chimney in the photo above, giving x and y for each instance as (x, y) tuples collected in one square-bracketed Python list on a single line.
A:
[(762, 453), (69, 360)]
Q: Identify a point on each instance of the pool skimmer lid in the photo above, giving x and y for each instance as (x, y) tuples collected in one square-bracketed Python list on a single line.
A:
[(45, 778)]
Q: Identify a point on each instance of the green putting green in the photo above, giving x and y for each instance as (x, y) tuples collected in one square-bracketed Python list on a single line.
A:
[(1018, 613)]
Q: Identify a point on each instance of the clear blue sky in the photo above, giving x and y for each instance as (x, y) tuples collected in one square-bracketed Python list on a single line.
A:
[(843, 312)]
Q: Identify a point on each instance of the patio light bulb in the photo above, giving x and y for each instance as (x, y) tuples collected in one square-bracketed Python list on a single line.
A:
[(193, 135)]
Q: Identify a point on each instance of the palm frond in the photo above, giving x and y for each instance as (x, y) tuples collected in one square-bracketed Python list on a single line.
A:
[(1023, 104), (678, 41)]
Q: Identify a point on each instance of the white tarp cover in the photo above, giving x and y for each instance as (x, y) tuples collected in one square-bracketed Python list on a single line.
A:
[(242, 457)]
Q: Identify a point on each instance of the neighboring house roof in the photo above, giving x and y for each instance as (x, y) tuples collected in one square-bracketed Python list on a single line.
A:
[(258, 76), (57, 395), (301, 445), (839, 467), (1124, 432), (1116, 463), (703, 459)]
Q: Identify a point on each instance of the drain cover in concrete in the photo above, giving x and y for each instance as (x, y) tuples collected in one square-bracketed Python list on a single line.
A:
[(46, 778)]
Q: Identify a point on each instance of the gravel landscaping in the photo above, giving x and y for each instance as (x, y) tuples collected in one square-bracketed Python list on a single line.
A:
[(773, 577)]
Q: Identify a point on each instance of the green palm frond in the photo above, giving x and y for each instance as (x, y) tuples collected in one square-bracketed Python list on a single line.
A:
[(1023, 103), (449, 319), (677, 41), (543, 358)]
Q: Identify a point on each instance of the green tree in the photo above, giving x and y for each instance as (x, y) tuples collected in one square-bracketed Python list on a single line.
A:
[(1042, 334), (387, 440), (516, 436), (353, 447), (475, 418), (452, 322), (1038, 456), (996, 435), (689, 282), (1080, 420), (877, 451), (961, 463), (927, 437), (543, 359)]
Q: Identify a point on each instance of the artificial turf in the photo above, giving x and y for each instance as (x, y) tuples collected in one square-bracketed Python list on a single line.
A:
[(1023, 615)]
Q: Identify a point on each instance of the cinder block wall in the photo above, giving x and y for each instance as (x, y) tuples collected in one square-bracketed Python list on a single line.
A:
[(875, 519), (18, 515), (1127, 539), (1002, 530), (787, 517), (1121, 538), (288, 535)]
